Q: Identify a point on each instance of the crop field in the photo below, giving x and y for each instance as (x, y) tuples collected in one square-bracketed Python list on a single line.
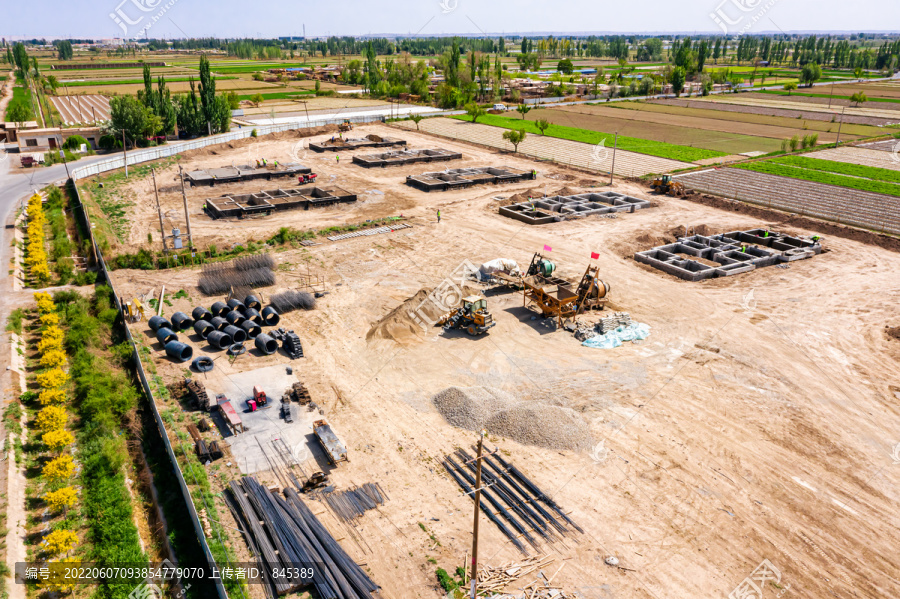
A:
[(863, 178), (655, 127), (875, 92), (800, 126), (81, 109), (178, 79), (644, 146), (584, 155), (848, 206), (884, 110), (181, 87), (790, 113)]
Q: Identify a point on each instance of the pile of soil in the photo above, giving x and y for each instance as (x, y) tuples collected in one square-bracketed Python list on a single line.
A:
[(400, 324), (404, 324), (892, 332)]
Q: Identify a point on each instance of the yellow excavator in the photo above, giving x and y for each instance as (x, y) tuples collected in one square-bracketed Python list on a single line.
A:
[(668, 185), (472, 316)]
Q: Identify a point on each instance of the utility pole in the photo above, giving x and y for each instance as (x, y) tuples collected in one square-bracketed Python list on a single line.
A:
[(474, 574), (831, 95), (613, 167), (187, 217), (124, 153), (838, 142), (162, 229)]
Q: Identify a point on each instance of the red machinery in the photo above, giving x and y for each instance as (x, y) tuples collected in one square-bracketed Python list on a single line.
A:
[(306, 178), (259, 396)]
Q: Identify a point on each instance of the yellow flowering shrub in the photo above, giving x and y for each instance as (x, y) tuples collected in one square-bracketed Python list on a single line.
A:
[(59, 468), (52, 397), (58, 440), (61, 498), (53, 358), (60, 541), (52, 379), (45, 303), (58, 583), (52, 418), (49, 320), (51, 338)]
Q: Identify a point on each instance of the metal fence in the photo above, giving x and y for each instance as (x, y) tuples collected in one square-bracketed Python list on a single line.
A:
[(188, 499), (149, 154)]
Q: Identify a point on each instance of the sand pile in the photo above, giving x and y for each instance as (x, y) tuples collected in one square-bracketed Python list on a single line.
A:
[(409, 321), (401, 325), (566, 191), (524, 196), (529, 423)]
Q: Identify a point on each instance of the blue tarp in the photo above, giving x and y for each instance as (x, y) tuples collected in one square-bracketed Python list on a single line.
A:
[(633, 332)]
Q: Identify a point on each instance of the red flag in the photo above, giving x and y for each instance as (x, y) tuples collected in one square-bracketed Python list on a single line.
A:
[(594, 255), (547, 248)]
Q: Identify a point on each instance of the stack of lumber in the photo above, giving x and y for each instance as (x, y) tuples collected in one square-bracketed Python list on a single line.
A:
[(282, 532), (496, 579)]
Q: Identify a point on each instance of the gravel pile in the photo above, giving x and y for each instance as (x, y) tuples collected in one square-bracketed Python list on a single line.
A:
[(529, 423), (552, 427), (471, 407)]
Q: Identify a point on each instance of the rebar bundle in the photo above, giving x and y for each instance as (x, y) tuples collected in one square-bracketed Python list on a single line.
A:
[(514, 498), (290, 300), (292, 537), (246, 272), (253, 262), (353, 503)]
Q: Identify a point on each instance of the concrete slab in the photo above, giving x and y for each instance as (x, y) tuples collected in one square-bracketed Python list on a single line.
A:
[(266, 425)]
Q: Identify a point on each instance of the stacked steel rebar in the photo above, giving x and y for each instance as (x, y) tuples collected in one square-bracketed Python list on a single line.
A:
[(249, 271), (292, 530), (516, 501), (287, 301), (353, 503)]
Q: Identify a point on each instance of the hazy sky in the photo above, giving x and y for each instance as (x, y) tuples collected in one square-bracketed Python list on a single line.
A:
[(270, 18)]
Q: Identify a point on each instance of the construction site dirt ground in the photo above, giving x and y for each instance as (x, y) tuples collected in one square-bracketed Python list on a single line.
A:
[(757, 422), (381, 192)]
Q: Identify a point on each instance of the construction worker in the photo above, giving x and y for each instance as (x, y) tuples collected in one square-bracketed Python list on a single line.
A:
[(338, 158), (533, 174), (276, 164), (439, 215)]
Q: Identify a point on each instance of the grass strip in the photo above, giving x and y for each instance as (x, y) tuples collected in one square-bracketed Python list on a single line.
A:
[(842, 168), (132, 81), (631, 144), (779, 92), (278, 95), (814, 176)]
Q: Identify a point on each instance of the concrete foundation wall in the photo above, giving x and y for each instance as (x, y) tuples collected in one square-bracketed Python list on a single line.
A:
[(267, 202), (458, 178), (735, 252), (560, 208)]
